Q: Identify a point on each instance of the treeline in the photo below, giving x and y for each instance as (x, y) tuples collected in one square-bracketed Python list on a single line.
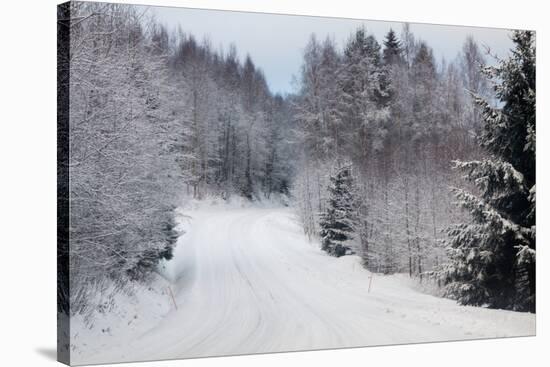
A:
[(232, 130), (154, 117), (399, 117), (381, 126)]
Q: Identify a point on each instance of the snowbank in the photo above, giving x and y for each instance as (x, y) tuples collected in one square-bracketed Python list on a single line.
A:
[(123, 317)]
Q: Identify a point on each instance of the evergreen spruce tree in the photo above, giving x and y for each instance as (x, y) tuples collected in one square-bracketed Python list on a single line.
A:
[(338, 221), (392, 53), (493, 257), (362, 103), (393, 61)]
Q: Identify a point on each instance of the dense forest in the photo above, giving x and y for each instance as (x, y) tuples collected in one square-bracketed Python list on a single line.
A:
[(154, 118), (388, 132), (367, 151)]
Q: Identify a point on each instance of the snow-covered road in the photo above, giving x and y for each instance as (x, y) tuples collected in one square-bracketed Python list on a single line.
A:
[(246, 280)]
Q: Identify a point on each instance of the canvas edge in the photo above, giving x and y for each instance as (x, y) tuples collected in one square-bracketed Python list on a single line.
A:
[(63, 91)]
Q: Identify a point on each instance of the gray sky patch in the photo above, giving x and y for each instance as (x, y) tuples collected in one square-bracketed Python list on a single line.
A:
[(276, 42)]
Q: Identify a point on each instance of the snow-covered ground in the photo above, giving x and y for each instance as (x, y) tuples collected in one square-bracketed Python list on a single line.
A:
[(246, 280)]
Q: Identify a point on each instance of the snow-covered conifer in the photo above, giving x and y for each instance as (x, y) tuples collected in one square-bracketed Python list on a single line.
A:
[(493, 256), (339, 219)]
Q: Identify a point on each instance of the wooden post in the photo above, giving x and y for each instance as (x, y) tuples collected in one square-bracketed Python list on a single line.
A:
[(172, 296), (370, 282)]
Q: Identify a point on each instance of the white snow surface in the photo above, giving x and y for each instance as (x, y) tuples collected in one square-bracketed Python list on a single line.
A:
[(246, 280)]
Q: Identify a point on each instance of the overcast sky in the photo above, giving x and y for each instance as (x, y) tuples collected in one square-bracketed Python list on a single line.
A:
[(276, 42)]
